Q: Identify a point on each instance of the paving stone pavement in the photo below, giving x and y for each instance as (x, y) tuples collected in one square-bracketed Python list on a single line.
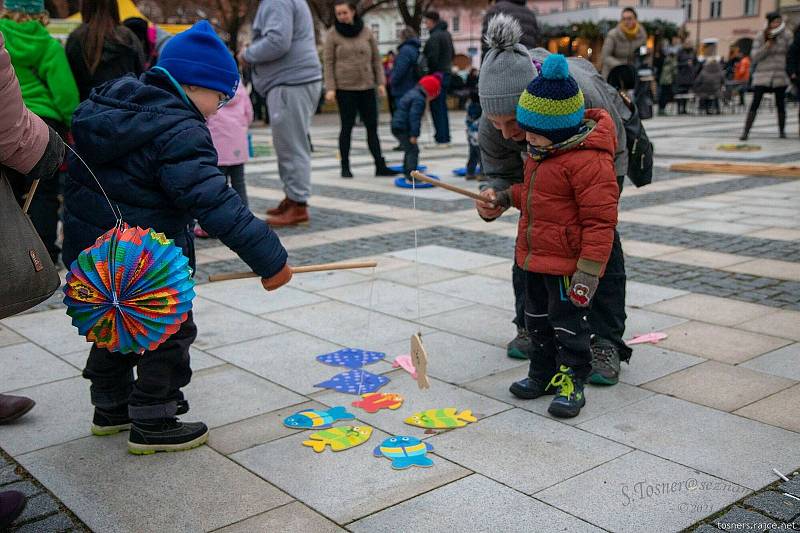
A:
[(687, 440)]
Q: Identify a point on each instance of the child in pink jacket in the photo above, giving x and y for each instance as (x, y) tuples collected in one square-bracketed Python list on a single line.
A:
[(229, 133)]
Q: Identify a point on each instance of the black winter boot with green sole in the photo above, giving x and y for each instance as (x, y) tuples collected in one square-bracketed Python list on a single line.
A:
[(165, 435), (111, 422), (520, 347)]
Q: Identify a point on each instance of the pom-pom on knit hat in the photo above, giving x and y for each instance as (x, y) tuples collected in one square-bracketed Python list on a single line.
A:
[(198, 57), (506, 68), (431, 85), (31, 7), (552, 105)]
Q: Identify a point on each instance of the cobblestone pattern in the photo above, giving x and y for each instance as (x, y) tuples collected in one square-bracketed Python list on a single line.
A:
[(767, 291), (696, 191), (716, 242), (773, 508), (43, 512)]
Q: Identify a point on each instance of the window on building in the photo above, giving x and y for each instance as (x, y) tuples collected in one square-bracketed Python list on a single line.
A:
[(583, 5), (398, 29), (687, 8), (750, 8), (716, 9), (376, 31), (456, 25), (644, 3), (613, 3)]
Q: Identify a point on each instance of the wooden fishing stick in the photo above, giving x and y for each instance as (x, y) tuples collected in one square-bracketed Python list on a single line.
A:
[(417, 175), (297, 270)]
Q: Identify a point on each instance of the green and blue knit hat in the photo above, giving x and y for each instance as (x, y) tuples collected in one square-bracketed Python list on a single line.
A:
[(31, 7), (552, 105)]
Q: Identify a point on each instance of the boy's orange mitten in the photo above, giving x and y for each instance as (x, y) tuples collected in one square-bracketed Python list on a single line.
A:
[(278, 280)]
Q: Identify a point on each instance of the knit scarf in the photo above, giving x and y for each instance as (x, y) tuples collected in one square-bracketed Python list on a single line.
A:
[(630, 34), (539, 153), (350, 30), (777, 31)]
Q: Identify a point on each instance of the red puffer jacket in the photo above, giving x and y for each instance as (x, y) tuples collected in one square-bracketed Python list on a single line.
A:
[(568, 204)]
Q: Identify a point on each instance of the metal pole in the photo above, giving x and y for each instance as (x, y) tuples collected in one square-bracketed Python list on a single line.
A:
[(699, 15)]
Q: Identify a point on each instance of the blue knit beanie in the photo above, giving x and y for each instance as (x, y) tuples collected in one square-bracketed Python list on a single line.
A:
[(31, 7), (198, 57), (552, 105)]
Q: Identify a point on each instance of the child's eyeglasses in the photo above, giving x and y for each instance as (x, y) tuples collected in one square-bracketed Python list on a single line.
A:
[(224, 99)]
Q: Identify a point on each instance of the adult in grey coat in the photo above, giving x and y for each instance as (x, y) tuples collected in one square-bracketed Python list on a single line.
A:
[(286, 70), (622, 44), (506, 71), (769, 57)]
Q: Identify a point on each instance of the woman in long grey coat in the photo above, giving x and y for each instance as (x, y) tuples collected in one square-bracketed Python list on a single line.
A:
[(769, 56), (622, 44)]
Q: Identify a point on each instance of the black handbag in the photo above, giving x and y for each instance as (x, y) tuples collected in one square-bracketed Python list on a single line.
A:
[(27, 275)]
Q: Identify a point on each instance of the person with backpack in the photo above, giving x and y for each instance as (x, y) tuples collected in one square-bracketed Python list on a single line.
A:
[(506, 71)]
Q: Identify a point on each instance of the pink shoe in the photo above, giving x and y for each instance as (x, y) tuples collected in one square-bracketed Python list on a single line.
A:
[(200, 232)]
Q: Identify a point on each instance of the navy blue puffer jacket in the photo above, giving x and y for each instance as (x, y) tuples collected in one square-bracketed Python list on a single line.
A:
[(153, 155), (404, 71), (407, 117)]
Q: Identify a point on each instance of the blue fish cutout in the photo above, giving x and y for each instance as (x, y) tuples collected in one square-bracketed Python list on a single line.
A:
[(317, 419), (405, 452), (354, 382), (351, 358)]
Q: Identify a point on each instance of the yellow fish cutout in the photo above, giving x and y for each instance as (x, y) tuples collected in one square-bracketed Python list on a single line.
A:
[(339, 438), (447, 418)]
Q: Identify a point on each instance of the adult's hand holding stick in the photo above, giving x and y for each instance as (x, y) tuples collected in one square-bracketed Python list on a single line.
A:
[(323, 267)]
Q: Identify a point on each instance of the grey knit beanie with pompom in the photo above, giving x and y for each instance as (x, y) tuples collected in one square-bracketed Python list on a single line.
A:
[(507, 67)]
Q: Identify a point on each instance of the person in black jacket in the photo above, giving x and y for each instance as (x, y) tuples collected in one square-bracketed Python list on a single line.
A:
[(101, 49), (793, 62), (439, 54), (403, 76), (531, 35), (148, 144)]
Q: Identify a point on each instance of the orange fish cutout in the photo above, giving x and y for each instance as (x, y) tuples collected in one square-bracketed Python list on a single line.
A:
[(375, 401)]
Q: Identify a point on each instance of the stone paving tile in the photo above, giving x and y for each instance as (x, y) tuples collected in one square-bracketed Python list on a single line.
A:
[(641, 321), (292, 518), (647, 249), (720, 343), (62, 413), (495, 328), (59, 337), (415, 400), (781, 234), (778, 410), (500, 270), (599, 400), (256, 430), (448, 258), (508, 446), (651, 362), (8, 337), (56, 522), (478, 289), (348, 325), (742, 518), (454, 508), (703, 258), (37, 506), (317, 281), (679, 431), (784, 324), (395, 299), (25, 487), (711, 309), (419, 275), (343, 486), (639, 294), (719, 385), (784, 362), (286, 358), (775, 504), (642, 492), (218, 325), (457, 360), (140, 495), (226, 394), (770, 268), (247, 295), (26, 365), (688, 193)]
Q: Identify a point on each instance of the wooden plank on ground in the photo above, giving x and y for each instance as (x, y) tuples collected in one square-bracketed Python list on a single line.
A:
[(745, 169)]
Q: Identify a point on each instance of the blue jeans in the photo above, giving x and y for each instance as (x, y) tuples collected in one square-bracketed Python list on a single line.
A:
[(439, 112)]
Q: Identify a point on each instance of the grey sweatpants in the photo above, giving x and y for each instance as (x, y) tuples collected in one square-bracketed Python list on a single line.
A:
[(290, 110)]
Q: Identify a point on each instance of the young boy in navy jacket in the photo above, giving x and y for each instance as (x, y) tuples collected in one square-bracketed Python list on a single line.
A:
[(147, 142), (407, 119)]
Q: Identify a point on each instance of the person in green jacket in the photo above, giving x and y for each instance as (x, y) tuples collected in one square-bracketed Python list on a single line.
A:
[(48, 90)]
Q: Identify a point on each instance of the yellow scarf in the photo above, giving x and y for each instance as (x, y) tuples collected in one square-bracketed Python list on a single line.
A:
[(630, 34)]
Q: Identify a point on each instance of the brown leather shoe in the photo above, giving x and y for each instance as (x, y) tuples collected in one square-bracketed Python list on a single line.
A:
[(271, 212), (13, 407), (294, 214)]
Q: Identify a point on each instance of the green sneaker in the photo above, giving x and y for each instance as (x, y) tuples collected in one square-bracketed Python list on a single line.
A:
[(520, 347), (569, 396), (605, 363)]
